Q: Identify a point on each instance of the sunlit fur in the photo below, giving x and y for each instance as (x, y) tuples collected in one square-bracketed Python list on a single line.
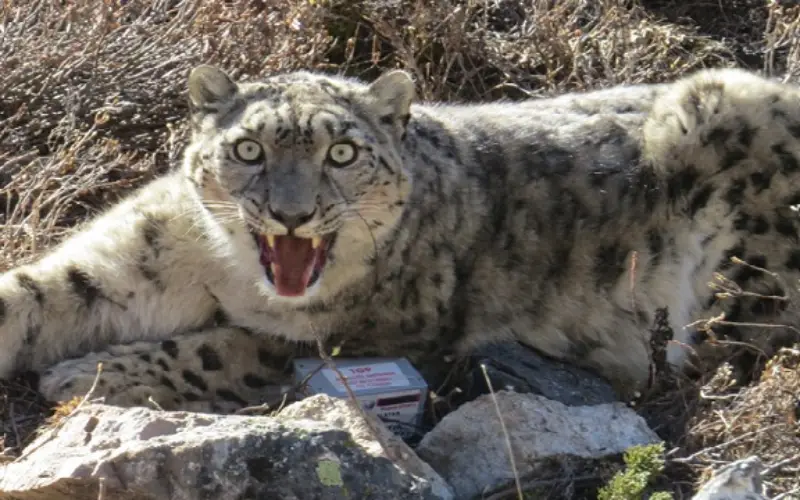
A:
[(569, 224)]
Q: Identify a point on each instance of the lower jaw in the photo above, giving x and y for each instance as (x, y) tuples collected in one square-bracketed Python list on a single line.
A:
[(310, 286)]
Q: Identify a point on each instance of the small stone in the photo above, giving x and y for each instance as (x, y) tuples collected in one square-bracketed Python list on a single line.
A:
[(740, 480)]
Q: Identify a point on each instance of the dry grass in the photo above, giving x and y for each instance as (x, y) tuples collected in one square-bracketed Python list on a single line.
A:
[(93, 106), (762, 419)]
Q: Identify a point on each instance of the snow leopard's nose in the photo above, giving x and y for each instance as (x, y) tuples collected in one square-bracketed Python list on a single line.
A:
[(291, 219)]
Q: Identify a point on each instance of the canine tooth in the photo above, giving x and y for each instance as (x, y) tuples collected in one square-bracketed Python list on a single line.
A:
[(273, 268), (271, 240), (316, 241)]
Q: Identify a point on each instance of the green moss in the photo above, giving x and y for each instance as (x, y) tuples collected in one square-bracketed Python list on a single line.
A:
[(329, 473), (643, 464)]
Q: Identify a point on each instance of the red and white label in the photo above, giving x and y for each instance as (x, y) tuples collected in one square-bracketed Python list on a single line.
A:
[(364, 377)]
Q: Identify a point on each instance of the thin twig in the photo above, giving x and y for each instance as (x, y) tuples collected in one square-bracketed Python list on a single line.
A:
[(721, 446), (632, 283), (779, 465), (388, 450), (505, 432), (13, 420), (787, 494), (154, 403)]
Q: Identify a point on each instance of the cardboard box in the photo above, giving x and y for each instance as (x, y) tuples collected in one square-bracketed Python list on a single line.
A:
[(388, 387)]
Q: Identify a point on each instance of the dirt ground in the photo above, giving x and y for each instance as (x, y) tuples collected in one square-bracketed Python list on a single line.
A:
[(92, 105)]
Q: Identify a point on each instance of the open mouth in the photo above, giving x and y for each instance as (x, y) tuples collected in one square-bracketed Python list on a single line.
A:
[(293, 264)]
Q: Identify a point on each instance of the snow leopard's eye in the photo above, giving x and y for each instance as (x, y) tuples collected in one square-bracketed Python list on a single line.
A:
[(248, 151), (342, 154)]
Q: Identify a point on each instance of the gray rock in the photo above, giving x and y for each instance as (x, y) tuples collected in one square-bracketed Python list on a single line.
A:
[(468, 447), (513, 366), (144, 454), (740, 480)]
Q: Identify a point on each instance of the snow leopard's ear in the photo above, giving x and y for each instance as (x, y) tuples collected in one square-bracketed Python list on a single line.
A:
[(210, 89), (391, 96)]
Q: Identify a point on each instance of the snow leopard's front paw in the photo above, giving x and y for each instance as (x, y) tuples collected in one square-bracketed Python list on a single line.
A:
[(114, 380), (218, 370)]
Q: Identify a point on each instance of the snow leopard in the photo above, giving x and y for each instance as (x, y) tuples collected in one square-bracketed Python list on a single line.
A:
[(319, 210)]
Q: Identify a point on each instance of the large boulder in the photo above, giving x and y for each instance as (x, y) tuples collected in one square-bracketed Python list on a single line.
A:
[(108, 452)]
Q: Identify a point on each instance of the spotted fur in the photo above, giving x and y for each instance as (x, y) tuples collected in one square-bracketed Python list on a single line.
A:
[(570, 224)]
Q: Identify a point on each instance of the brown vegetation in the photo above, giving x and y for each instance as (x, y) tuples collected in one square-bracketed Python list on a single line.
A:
[(92, 105)]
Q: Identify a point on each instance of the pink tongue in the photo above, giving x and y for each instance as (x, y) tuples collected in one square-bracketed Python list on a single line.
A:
[(293, 260)]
